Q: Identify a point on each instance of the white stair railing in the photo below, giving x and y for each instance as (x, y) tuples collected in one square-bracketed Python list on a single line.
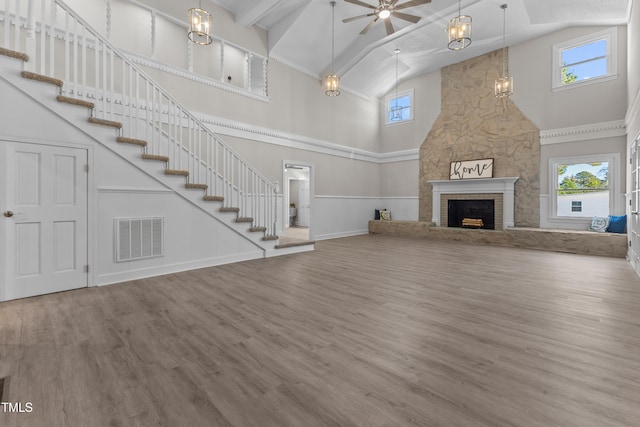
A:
[(60, 44)]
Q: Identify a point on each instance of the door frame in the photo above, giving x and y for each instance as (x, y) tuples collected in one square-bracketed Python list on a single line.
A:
[(92, 201), (633, 251), (285, 192)]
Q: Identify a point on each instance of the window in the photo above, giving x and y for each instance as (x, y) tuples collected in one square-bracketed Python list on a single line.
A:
[(585, 60), (399, 109), (584, 186)]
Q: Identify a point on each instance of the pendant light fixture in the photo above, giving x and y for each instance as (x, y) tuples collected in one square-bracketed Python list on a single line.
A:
[(199, 25), (504, 84), (396, 110), (331, 81), (459, 31)]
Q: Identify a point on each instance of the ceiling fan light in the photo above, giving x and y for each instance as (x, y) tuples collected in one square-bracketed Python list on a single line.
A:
[(331, 85), (199, 26), (384, 14), (459, 30)]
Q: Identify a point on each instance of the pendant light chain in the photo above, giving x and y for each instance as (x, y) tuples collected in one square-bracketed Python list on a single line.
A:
[(504, 83), (504, 39), (333, 33), (396, 113), (331, 81)]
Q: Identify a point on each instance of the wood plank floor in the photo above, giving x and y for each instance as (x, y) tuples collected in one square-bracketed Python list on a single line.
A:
[(365, 331)]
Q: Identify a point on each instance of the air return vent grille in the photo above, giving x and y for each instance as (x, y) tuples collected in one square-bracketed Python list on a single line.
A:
[(139, 238)]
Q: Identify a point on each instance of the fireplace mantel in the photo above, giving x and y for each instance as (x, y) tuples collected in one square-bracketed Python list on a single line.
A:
[(504, 186)]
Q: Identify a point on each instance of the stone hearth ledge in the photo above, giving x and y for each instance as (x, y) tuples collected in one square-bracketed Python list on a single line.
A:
[(568, 241)]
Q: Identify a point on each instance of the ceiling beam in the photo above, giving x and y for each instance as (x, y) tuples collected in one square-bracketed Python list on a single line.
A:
[(283, 27), (254, 12)]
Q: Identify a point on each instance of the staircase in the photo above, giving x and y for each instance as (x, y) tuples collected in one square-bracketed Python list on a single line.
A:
[(87, 72)]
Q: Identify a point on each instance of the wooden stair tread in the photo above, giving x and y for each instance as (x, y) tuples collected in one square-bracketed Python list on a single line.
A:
[(295, 244), (42, 78), (244, 219), (155, 157), (127, 140), (176, 172), (104, 122), (270, 237), (230, 210), (213, 199), (14, 54), (258, 229), (75, 101), (196, 186)]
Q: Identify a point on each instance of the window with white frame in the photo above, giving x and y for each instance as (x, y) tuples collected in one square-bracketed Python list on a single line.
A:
[(399, 109), (583, 186), (585, 60)]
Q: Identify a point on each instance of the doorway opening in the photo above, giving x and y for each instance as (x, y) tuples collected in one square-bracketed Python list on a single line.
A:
[(297, 195)]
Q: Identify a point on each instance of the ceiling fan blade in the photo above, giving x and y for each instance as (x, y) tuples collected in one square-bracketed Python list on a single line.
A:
[(406, 16), (389, 26), (411, 4), (393, 3), (365, 29), (357, 17), (359, 3)]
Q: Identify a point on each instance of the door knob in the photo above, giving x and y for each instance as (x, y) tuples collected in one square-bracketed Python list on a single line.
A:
[(8, 214)]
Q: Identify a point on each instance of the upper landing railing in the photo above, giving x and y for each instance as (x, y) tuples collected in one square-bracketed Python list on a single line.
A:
[(60, 44)]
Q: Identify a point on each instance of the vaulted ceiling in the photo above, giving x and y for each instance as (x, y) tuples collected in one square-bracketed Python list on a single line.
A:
[(299, 33)]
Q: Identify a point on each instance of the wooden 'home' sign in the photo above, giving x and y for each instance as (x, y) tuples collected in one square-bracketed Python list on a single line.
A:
[(470, 169)]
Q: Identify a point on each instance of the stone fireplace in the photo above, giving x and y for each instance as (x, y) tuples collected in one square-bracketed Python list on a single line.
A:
[(473, 124)]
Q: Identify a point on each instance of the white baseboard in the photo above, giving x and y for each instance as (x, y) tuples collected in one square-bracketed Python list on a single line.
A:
[(125, 276)]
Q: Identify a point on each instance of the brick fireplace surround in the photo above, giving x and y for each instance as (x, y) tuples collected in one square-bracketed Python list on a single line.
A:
[(500, 190)]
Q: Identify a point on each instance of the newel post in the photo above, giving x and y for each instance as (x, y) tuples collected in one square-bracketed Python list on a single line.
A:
[(277, 208)]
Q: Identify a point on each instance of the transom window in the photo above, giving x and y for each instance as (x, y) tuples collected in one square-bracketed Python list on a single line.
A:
[(399, 109), (585, 60)]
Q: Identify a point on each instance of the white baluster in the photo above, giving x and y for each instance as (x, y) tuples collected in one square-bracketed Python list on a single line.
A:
[(30, 40)]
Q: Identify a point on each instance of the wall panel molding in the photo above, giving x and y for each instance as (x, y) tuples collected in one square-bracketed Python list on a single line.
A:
[(584, 132)]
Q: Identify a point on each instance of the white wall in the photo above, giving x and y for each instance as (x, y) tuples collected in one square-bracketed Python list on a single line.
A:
[(298, 107), (577, 115), (193, 239), (349, 216), (410, 135), (530, 63)]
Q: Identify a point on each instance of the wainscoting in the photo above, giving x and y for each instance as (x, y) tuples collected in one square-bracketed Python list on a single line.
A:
[(343, 216)]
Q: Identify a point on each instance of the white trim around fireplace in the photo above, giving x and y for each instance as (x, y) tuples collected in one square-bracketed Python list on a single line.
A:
[(504, 186)]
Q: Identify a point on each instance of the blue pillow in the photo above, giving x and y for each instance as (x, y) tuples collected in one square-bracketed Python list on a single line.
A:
[(617, 224)]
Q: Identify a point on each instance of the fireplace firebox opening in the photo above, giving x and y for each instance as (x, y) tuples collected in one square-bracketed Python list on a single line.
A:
[(471, 214)]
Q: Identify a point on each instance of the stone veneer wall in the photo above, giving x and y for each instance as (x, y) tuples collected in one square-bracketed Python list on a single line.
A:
[(473, 124)]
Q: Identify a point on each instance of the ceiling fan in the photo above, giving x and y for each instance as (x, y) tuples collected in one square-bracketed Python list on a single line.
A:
[(384, 10)]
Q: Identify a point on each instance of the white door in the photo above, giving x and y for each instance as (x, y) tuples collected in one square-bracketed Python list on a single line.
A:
[(43, 227), (304, 208)]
